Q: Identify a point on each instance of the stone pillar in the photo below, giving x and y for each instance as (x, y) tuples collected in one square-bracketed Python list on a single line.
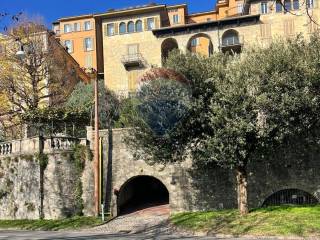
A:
[(90, 135)]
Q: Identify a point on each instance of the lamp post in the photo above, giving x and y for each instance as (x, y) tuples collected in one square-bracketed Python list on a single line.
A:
[(93, 73)]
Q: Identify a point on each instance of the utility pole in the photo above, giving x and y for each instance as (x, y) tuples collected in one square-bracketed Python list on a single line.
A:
[(93, 74), (96, 144)]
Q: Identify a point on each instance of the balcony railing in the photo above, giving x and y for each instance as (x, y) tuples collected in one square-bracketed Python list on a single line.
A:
[(232, 44), (37, 144), (132, 60)]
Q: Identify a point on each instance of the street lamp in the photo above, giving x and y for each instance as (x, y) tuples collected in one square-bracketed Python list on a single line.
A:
[(20, 53), (93, 74)]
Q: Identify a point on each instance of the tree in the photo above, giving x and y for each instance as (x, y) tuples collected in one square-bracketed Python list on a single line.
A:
[(242, 107), (45, 76), (82, 98)]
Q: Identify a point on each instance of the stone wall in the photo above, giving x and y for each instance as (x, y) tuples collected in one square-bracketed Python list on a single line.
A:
[(19, 187), (20, 183), (190, 189), (209, 188)]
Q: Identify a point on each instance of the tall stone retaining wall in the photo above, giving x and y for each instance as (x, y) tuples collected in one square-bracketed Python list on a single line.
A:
[(192, 189), (189, 188), (20, 185)]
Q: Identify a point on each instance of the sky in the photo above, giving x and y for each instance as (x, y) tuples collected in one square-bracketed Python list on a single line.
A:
[(51, 10)]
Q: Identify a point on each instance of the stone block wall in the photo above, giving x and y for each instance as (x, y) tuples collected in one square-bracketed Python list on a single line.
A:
[(192, 189), (19, 187), (20, 194)]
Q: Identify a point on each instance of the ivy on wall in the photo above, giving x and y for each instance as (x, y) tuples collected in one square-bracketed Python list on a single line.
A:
[(79, 156)]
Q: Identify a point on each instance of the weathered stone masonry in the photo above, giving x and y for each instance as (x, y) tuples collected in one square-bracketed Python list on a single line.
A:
[(189, 189)]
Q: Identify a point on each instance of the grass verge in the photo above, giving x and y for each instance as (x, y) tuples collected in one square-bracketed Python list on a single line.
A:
[(73, 223), (271, 221)]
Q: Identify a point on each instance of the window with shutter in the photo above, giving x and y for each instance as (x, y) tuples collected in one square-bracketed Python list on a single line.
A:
[(265, 30), (88, 61), (116, 28), (157, 23), (312, 24), (133, 49), (110, 29), (150, 23), (88, 44), (68, 45), (289, 27)]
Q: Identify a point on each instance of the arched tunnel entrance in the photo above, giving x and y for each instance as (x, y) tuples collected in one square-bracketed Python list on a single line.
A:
[(141, 192)]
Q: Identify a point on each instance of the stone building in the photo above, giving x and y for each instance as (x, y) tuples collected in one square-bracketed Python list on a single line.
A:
[(130, 41)]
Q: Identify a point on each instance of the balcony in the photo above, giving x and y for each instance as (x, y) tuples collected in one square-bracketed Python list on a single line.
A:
[(132, 60), (231, 43)]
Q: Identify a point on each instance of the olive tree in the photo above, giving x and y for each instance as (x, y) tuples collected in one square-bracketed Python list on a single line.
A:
[(240, 107)]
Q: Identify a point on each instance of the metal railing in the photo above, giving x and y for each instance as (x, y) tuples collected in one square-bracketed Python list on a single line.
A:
[(231, 41), (132, 58)]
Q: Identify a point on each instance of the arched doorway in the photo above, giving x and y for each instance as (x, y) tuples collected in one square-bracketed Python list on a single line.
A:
[(290, 196), (231, 42), (200, 44), (166, 47), (141, 192)]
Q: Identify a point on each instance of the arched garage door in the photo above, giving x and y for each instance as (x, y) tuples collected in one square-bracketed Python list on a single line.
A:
[(141, 192)]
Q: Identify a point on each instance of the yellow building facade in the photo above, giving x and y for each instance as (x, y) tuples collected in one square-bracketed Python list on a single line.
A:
[(133, 40)]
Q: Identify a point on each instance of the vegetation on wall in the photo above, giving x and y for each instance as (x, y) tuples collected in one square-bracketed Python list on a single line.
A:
[(78, 157)]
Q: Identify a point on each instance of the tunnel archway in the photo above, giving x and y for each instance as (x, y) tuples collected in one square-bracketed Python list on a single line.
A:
[(200, 44), (290, 196), (141, 192)]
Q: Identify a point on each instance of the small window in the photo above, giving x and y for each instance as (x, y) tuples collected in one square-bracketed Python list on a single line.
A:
[(287, 5), (130, 27), (88, 44), (122, 28), (67, 28), (88, 61), (87, 25), (264, 8), (68, 45), (194, 42), (295, 4), (240, 8), (150, 23), (176, 19), (133, 49), (76, 27), (139, 26), (209, 19), (278, 6), (110, 29), (309, 3)]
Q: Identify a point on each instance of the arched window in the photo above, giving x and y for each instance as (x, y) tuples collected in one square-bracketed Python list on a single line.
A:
[(122, 28), (230, 38), (139, 26), (130, 27), (290, 196)]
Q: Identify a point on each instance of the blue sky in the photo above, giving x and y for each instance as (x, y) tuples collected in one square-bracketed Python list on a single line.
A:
[(54, 9)]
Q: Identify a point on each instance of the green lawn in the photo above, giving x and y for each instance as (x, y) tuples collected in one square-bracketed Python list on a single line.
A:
[(272, 221), (54, 225)]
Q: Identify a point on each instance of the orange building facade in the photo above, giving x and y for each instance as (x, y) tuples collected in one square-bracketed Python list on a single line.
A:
[(78, 36)]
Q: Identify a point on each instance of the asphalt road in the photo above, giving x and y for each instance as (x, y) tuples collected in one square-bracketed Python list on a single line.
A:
[(40, 235)]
